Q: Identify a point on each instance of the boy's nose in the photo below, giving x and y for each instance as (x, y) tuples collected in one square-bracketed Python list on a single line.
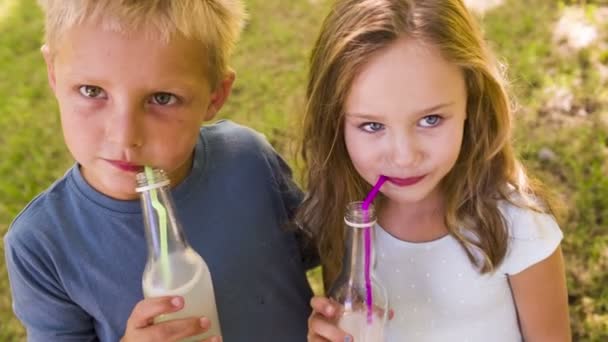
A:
[(124, 128)]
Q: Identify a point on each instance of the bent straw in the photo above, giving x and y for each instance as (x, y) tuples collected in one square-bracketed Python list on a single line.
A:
[(368, 246), (162, 226)]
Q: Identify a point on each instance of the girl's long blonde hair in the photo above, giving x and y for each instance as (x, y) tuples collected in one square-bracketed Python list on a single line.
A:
[(486, 171)]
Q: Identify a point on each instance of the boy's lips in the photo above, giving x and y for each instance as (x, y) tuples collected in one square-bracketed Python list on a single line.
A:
[(405, 181), (125, 166)]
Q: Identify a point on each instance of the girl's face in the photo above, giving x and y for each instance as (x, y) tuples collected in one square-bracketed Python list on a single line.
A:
[(405, 117)]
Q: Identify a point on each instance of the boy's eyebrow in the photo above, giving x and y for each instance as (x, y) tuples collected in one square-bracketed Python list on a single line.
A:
[(169, 84), (370, 116)]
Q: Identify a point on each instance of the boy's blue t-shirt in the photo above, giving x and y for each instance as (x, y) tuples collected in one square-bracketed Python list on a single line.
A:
[(75, 257)]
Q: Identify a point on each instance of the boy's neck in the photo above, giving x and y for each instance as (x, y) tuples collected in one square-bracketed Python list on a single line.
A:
[(178, 175), (415, 222)]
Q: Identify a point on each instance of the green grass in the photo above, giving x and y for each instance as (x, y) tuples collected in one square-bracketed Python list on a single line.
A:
[(30, 144), (578, 173), (271, 71)]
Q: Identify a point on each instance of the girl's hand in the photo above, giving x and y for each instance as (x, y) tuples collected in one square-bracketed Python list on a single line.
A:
[(141, 327), (322, 323)]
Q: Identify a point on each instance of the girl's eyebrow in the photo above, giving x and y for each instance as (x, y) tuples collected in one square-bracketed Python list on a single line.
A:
[(435, 108), (364, 116), (370, 116)]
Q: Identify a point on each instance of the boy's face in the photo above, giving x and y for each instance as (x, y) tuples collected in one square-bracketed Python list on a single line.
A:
[(127, 101), (405, 116)]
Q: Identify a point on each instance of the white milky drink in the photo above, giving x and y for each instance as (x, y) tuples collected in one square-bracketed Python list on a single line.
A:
[(197, 290), (356, 324)]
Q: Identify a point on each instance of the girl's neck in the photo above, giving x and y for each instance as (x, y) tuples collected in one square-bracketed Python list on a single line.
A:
[(415, 222)]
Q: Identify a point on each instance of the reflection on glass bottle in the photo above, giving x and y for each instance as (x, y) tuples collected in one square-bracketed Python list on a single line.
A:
[(173, 267), (352, 287)]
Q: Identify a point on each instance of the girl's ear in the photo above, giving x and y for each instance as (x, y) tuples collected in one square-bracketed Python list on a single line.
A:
[(220, 95), (50, 69)]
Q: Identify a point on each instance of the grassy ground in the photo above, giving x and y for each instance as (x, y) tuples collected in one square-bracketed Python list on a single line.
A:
[(562, 134)]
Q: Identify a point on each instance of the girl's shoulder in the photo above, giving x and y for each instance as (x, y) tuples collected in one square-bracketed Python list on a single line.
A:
[(533, 235), (526, 219)]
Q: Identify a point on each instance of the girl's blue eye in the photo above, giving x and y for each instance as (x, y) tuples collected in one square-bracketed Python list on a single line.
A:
[(90, 91), (164, 99), (430, 121), (371, 127)]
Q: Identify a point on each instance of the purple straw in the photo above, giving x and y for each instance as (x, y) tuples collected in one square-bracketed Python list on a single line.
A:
[(372, 194), (368, 246)]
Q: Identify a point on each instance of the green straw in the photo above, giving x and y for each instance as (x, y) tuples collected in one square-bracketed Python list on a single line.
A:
[(162, 223)]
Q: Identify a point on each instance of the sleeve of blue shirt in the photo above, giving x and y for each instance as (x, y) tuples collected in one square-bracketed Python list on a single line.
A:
[(38, 300), (292, 197)]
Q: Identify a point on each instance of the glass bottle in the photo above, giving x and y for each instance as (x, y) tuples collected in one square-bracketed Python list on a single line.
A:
[(353, 286), (173, 267)]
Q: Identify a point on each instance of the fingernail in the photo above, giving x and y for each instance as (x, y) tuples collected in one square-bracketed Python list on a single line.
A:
[(205, 322), (329, 309), (348, 338), (176, 301)]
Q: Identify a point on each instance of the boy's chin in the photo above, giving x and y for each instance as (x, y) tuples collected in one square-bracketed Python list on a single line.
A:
[(122, 188), (119, 186), (121, 194)]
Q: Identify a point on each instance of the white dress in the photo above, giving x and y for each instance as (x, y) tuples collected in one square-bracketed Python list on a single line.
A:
[(437, 294)]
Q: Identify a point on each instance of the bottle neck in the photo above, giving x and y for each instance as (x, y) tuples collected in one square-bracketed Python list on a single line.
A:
[(355, 259), (163, 230), (358, 253)]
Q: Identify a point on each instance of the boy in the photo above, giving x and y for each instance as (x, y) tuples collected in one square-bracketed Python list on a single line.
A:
[(134, 81)]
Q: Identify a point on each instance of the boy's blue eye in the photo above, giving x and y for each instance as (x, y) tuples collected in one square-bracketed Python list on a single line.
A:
[(430, 121), (371, 127), (164, 99), (90, 91)]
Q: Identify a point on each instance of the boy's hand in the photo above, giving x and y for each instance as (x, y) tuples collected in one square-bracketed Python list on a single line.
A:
[(322, 323), (141, 327)]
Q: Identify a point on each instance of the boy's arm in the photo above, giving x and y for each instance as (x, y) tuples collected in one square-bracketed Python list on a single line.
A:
[(40, 302), (308, 249), (292, 198)]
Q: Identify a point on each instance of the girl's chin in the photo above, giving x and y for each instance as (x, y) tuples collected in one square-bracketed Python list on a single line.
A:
[(398, 197)]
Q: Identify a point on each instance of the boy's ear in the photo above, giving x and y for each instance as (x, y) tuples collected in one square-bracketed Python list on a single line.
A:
[(220, 95), (50, 70)]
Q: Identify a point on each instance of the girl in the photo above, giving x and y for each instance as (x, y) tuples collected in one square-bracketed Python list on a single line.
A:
[(465, 243)]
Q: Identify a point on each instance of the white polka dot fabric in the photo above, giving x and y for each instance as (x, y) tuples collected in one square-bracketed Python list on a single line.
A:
[(436, 293)]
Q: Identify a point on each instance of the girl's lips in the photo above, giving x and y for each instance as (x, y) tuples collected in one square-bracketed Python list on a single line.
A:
[(125, 166), (405, 181)]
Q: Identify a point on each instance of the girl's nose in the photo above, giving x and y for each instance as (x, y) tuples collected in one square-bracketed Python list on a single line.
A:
[(405, 152)]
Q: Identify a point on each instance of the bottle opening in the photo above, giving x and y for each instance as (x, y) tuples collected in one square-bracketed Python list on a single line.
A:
[(358, 217), (151, 179)]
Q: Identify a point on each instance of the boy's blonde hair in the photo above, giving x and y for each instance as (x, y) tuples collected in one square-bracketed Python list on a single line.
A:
[(487, 170), (216, 24)]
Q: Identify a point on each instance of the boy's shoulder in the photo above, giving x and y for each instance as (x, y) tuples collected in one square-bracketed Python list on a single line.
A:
[(227, 143), (227, 135), (36, 218)]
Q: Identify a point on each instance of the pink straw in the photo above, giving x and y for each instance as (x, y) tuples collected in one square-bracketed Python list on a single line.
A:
[(368, 246), (372, 194)]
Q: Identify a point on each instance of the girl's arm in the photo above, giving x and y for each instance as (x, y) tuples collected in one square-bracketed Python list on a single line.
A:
[(541, 298)]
